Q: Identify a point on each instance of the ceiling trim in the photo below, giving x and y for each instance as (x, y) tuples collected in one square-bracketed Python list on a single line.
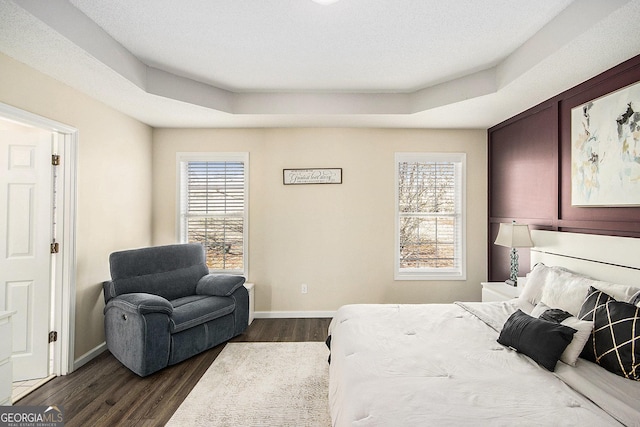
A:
[(63, 18)]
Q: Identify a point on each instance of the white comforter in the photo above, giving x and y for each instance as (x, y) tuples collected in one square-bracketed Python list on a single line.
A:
[(439, 365)]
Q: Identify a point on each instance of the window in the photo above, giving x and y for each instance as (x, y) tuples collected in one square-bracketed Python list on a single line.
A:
[(430, 219), (213, 207)]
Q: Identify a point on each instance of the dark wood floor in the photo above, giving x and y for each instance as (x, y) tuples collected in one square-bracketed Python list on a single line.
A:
[(105, 393)]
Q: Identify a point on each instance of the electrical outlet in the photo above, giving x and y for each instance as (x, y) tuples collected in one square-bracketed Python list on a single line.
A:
[(303, 288)]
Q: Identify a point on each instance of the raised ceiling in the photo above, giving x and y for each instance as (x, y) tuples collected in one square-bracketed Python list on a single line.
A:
[(247, 63)]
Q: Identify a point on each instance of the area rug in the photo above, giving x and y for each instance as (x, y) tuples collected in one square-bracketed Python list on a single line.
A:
[(261, 384)]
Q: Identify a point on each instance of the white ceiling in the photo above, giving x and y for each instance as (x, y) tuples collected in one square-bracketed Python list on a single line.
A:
[(250, 63), (298, 45)]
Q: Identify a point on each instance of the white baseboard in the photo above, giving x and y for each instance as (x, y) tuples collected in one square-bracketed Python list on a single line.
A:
[(292, 314), (89, 355)]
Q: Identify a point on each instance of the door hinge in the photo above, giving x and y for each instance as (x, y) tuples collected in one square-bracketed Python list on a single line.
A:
[(55, 159), (55, 248), (53, 336)]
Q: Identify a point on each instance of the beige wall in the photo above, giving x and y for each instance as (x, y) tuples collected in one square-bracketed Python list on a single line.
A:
[(338, 239), (114, 183)]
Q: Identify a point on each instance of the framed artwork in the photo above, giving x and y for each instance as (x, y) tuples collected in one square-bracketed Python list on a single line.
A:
[(605, 150), (312, 176)]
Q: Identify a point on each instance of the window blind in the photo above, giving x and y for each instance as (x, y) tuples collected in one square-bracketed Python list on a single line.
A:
[(213, 210)]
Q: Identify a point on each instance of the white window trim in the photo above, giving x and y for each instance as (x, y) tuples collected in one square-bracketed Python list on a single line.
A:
[(423, 273), (183, 157)]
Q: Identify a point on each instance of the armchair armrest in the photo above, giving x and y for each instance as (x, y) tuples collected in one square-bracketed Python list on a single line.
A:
[(221, 285), (141, 303)]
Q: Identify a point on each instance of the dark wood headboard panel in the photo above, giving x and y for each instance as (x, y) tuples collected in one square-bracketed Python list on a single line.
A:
[(530, 171)]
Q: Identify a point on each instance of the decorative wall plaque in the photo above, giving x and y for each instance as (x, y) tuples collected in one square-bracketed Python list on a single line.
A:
[(312, 176)]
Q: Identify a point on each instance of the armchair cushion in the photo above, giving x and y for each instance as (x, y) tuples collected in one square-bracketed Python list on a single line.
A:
[(141, 303), (221, 285), (198, 309)]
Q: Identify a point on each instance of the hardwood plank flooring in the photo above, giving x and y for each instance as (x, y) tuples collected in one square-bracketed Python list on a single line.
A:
[(105, 393)]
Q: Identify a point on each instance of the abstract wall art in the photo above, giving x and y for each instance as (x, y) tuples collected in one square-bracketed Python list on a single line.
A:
[(605, 150)]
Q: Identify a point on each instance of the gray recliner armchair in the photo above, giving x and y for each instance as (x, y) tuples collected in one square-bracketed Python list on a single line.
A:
[(163, 306)]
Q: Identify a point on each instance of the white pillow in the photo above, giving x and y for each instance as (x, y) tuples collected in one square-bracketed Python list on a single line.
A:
[(622, 293), (565, 290), (532, 290), (560, 288), (583, 331)]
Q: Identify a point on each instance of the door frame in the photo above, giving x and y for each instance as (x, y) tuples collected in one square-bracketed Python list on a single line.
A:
[(64, 278)]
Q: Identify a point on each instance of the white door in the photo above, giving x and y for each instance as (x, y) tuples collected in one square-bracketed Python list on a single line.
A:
[(25, 238)]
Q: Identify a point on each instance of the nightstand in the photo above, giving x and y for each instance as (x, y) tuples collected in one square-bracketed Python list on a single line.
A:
[(499, 291)]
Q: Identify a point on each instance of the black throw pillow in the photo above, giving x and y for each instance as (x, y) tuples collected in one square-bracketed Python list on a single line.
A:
[(555, 315), (595, 298), (541, 340), (616, 334)]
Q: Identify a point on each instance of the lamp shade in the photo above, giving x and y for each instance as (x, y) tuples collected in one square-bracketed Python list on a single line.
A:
[(514, 236)]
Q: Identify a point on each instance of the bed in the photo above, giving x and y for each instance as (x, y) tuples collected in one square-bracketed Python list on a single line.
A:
[(442, 364)]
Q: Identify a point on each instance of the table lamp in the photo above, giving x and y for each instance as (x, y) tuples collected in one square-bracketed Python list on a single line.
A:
[(514, 236)]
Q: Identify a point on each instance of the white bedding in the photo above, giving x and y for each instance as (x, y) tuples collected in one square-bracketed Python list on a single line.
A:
[(439, 364)]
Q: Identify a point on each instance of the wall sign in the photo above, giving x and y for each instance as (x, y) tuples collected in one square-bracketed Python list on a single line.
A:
[(312, 176)]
